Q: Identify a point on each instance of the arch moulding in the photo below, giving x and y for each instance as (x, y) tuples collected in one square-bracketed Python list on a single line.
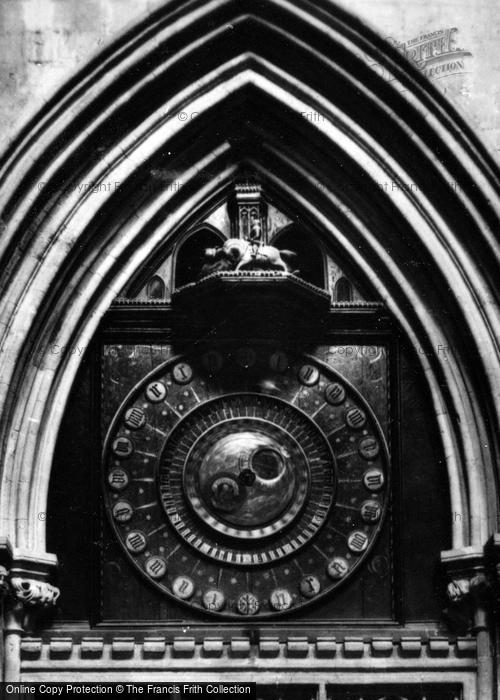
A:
[(194, 91)]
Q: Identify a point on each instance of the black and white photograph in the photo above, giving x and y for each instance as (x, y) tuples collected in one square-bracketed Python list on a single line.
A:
[(250, 349)]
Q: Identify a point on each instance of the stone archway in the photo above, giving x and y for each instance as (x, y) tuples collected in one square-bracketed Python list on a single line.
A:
[(191, 93)]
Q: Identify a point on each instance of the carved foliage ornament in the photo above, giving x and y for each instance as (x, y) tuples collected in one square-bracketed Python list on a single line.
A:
[(460, 589), (34, 593), (4, 586), (466, 593), (29, 592)]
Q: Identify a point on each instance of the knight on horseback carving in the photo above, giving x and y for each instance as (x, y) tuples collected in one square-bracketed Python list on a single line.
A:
[(248, 254)]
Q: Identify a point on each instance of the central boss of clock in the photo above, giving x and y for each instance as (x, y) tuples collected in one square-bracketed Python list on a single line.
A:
[(245, 481)]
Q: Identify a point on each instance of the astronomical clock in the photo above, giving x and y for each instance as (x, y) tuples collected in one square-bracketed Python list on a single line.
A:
[(246, 466), (244, 480), (249, 476)]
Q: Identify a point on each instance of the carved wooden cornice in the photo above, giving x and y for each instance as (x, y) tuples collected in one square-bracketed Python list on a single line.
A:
[(348, 651)]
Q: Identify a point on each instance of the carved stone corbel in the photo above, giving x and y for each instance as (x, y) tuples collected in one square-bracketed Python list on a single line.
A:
[(24, 595), (32, 593), (493, 556), (34, 596), (471, 593), (23, 600), (461, 588), (4, 585), (469, 588)]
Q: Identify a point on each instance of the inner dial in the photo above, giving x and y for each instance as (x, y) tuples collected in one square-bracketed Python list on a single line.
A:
[(245, 481), (246, 478), (261, 470)]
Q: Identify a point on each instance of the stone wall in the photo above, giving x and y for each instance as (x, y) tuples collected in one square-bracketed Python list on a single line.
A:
[(43, 43)]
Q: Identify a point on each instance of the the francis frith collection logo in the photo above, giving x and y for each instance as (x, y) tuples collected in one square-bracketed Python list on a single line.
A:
[(435, 54)]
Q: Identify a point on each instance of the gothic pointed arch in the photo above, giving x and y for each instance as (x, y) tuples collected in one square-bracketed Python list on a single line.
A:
[(150, 135)]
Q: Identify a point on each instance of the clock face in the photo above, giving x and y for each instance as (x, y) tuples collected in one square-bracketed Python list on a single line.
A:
[(245, 481)]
